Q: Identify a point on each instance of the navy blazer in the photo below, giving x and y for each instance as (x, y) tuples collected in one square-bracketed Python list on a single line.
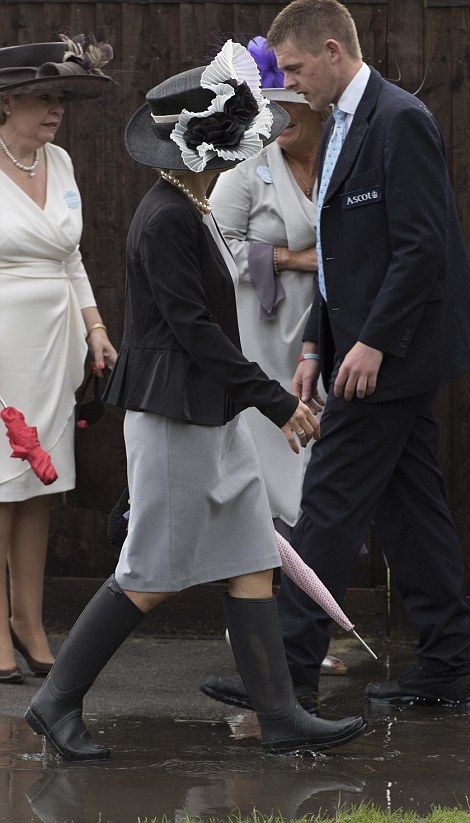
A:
[(396, 272), (181, 354)]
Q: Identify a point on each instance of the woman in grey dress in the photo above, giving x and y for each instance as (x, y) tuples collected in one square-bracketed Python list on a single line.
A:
[(193, 470)]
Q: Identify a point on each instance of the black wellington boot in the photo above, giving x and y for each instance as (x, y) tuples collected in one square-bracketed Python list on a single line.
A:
[(56, 709), (259, 652)]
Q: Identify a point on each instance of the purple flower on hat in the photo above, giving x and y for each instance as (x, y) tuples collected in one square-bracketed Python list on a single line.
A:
[(272, 77)]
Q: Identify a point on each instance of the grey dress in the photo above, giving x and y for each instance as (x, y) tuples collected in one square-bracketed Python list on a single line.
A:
[(259, 205), (199, 506)]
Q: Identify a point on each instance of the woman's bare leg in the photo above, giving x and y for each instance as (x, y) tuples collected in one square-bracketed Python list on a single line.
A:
[(7, 654), (26, 562), (145, 601), (255, 585)]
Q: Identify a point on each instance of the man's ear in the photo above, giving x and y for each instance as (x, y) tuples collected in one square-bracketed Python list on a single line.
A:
[(334, 49)]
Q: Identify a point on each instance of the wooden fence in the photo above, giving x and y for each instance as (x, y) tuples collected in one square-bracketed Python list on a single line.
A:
[(413, 42)]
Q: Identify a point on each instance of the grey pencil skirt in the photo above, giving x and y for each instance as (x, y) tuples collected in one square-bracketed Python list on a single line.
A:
[(199, 506)]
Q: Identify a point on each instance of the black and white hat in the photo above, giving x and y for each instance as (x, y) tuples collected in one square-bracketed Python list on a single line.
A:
[(210, 117)]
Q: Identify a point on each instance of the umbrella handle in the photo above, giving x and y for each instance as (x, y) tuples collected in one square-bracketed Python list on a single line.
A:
[(3, 402)]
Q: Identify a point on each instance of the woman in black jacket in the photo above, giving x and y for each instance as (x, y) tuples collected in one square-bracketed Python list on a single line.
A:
[(199, 507)]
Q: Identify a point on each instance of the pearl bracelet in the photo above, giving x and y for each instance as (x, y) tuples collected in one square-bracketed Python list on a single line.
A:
[(276, 269)]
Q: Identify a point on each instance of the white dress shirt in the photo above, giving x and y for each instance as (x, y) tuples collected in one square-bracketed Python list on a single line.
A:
[(351, 96)]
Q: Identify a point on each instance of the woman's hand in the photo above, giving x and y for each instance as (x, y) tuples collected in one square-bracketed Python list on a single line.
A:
[(305, 260), (303, 425), (102, 351)]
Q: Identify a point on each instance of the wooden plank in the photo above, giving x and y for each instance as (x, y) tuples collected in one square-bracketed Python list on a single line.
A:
[(9, 22), (246, 22), (454, 400), (176, 2), (460, 26), (405, 43), (218, 28), (437, 91), (447, 3), (192, 36), (30, 24), (145, 61)]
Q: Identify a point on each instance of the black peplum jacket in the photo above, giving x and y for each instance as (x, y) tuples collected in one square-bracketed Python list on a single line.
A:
[(181, 355)]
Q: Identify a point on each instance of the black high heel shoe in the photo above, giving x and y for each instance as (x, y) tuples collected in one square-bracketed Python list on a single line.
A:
[(11, 675), (37, 668)]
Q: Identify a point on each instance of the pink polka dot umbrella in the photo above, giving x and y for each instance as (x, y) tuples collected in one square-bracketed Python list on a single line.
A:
[(306, 579)]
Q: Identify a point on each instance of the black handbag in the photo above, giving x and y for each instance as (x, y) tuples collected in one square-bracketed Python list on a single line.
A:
[(117, 523), (100, 452)]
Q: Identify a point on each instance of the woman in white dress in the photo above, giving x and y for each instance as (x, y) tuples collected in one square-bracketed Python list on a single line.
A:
[(48, 318)]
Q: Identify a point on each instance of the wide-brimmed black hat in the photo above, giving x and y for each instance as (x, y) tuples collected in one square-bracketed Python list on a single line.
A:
[(69, 66), (151, 132)]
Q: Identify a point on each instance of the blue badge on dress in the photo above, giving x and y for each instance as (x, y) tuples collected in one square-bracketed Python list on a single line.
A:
[(72, 199), (361, 197), (264, 172)]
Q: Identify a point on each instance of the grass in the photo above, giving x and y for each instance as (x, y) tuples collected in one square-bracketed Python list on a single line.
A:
[(357, 814)]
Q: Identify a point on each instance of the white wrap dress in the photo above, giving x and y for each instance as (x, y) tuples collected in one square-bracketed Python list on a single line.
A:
[(259, 202), (43, 287)]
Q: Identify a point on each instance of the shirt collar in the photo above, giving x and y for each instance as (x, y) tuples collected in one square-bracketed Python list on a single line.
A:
[(351, 96)]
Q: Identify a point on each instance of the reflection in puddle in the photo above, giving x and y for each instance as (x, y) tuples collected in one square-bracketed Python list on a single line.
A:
[(409, 758)]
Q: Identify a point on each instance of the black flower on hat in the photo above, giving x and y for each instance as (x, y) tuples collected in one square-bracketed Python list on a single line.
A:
[(224, 129), (242, 105)]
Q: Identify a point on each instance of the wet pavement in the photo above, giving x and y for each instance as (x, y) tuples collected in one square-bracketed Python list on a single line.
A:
[(176, 752)]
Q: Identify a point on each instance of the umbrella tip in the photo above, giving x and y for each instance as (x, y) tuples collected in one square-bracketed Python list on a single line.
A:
[(363, 642)]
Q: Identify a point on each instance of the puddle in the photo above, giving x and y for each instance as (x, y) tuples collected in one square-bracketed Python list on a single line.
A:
[(411, 758)]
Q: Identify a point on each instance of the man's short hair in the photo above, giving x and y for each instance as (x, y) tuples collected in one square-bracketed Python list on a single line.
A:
[(309, 23)]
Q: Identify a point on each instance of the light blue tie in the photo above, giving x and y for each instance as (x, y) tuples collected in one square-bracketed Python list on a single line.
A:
[(332, 153)]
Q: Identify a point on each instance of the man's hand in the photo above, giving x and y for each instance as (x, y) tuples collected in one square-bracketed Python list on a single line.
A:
[(304, 424), (304, 384), (358, 372)]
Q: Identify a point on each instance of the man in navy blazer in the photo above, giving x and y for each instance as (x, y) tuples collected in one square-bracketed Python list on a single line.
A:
[(392, 326), (389, 325)]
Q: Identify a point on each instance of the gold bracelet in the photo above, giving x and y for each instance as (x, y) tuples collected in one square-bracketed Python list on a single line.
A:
[(93, 327), (276, 269)]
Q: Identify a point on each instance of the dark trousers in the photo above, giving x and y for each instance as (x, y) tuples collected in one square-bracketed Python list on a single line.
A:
[(378, 462)]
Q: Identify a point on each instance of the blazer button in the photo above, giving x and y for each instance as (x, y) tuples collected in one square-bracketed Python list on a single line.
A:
[(403, 345)]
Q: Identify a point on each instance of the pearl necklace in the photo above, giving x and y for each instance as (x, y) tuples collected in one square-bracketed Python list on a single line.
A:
[(30, 169), (202, 205)]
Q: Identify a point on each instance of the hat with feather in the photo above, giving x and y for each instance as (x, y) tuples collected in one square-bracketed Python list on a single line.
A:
[(73, 65), (210, 117), (272, 77)]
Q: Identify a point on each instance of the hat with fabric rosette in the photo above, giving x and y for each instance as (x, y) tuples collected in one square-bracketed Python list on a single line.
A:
[(73, 65), (210, 117)]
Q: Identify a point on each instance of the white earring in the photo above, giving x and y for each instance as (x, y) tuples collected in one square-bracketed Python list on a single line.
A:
[(7, 112)]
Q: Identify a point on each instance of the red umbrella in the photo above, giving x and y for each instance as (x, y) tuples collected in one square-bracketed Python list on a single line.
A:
[(25, 444)]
